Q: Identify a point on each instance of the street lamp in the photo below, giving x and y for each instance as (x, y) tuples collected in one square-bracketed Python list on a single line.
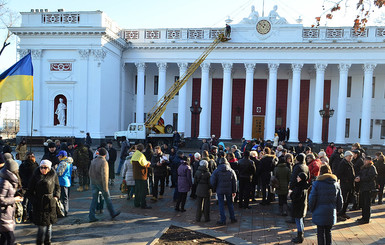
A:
[(326, 113), (195, 110)]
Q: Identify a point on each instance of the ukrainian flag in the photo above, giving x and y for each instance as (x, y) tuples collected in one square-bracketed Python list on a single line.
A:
[(16, 83)]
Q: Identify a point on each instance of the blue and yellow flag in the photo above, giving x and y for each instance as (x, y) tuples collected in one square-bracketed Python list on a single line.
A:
[(16, 83)]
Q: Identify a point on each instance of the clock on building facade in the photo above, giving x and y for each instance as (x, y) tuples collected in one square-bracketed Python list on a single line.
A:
[(263, 27)]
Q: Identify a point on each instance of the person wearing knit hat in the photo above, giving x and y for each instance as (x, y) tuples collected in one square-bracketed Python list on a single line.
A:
[(45, 189), (299, 203), (9, 184), (64, 171), (50, 155)]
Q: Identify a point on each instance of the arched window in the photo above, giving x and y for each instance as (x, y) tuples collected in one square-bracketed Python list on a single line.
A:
[(60, 110)]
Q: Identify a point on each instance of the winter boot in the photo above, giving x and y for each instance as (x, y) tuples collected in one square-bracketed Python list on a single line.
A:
[(80, 188), (86, 187), (299, 238)]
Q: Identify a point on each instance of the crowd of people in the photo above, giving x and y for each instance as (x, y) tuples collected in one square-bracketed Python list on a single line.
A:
[(324, 183)]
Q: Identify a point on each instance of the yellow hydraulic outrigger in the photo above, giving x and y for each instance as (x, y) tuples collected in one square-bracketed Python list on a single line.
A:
[(157, 111)]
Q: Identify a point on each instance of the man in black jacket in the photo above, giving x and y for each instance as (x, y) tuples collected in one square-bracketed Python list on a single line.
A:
[(159, 163), (111, 162), (246, 171), (345, 173), (336, 158), (358, 162), (51, 155)]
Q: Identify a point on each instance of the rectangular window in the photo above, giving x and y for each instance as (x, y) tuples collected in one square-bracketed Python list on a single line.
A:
[(134, 117), (176, 78), (359, 130), (347, 128), (136, 85), (349, 90), (175, 121), (371, 128), (145, 115), (382, 129), (374, 87), (237, 120), (156, 85)]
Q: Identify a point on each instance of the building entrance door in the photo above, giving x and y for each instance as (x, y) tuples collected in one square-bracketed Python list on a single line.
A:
[(258, 127)]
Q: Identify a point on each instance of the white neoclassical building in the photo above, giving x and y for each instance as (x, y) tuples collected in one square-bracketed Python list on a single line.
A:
[(270, 75)]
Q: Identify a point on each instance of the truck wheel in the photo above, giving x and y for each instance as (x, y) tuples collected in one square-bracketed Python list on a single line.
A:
[(169, 129)]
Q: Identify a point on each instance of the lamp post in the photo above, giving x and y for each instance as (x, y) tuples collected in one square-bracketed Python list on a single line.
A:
[(195, 110), (326, 113)]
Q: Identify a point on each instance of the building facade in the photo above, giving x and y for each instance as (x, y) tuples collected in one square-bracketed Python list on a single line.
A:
[(270, 75)]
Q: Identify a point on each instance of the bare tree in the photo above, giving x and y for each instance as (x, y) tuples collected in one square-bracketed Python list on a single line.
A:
[(8, 19)]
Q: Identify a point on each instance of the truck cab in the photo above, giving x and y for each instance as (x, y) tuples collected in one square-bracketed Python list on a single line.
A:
[(136, 132)]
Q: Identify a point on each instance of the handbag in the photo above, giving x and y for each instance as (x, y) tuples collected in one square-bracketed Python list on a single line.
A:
[(59, 209), (19, 210), (274, 182), (124, 187)]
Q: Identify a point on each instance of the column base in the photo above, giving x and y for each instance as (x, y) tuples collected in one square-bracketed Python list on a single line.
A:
[(225, 138), (340, 142), (363, 142)]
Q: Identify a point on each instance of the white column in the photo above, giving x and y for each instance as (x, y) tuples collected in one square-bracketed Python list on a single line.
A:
[(182, 98), (367, 104), (341, 109), (295, 96), (162, 67), (226, 102), (204, 127), (318, 102), (141, 67), (271, 101), (37, 96), (248, 109)]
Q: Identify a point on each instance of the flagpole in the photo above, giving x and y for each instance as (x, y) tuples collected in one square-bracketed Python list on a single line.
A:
[(30, 146)]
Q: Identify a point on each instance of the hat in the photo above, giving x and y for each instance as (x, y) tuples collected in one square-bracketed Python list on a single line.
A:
[(203, 163), (339, 147), (197, 155), (303, 176), (300, 157), (62, 153), (368, 158), (46, 162), (11, 165), (348, 153), (280, 147), (7, 156), (214, 147), (356, 151), (234, 146), (179, 153), (51, 145)]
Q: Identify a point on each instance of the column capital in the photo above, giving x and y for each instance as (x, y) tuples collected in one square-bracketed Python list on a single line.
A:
[(273, 67), (227, 66), (84, 53), (369, 67), (182, 65), (250, 67), (141, 66), (162, 66), (344, 67), (99, 54), (320, 67), (205, 66), (36, 53), (296, 67), (23, 52)]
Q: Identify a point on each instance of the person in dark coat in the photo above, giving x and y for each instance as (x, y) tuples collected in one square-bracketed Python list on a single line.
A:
[(82, 160), (184, 184), (159, 163), (282, 173), (88, 140), (380, 166), (300, 148), (224, 183), (202, 181), (9, 184), (256, 176), (26, 170), (268, 163), (246, 171), (366, 178), (51, 155), (325, 200), (211, 162), (336, 158), (358, 162), (346, 175), (124, 147), (299, 201), (44, 191), (111, 162), (174, 165)]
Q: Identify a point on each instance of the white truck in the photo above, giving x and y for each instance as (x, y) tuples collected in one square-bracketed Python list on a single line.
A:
[(137, 133)]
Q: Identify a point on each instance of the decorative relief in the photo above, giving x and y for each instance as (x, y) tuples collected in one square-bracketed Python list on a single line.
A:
[(61, 18), (36, 53), (152, 34), (84, 53), (343, 67), (60, 67), (358, 33), (249, 67), (173, 34), (296, 67), (380, 32), (310, 33), (99, 54), (141, 66), (195, 34), (215, 32), (334, 33), (23, 52), (273, 67), (227, 66), (369, 67), (131, 34)]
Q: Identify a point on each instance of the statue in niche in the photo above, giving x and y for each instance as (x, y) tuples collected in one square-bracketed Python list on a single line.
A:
[(275, 18), (253, 17), (60, 112)]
